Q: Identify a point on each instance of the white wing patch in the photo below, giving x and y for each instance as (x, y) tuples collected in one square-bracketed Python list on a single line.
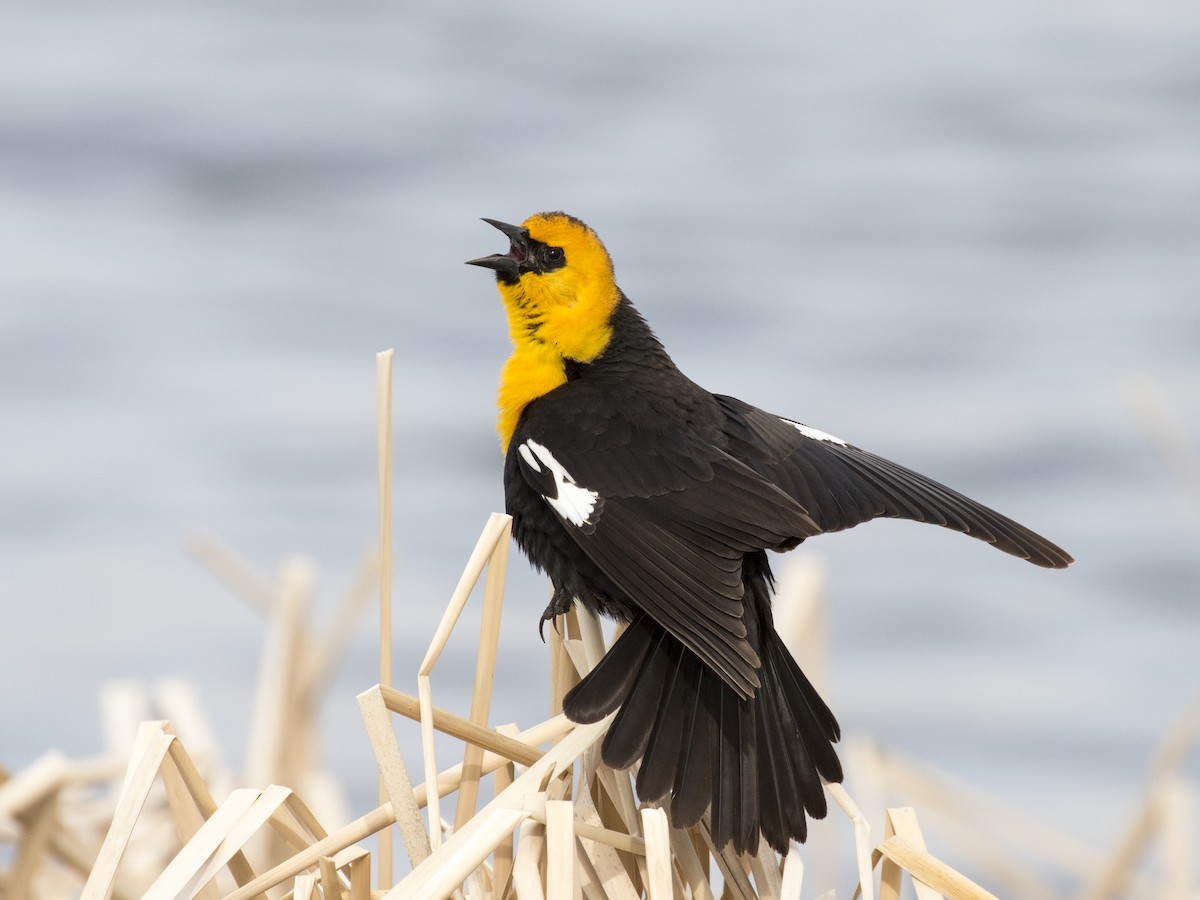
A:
[(815, 434), (574, 503)]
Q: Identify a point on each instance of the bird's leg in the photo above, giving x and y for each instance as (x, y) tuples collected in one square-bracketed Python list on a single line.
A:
[(559, 604)]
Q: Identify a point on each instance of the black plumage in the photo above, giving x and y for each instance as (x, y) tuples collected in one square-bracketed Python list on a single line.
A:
[(649, 499)]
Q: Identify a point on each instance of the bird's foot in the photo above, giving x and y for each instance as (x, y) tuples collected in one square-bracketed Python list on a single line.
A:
[(559, 604)]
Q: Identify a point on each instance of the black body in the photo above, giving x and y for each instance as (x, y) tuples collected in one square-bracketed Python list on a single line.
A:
[(691, 489)]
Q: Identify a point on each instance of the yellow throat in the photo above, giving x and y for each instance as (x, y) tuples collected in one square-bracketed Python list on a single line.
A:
[(554, 316)]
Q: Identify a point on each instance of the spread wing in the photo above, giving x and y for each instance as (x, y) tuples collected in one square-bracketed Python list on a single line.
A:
[(840, 485), (668, 518)]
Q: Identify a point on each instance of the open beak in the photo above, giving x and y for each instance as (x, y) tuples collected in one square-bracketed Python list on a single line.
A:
[(507, 265)]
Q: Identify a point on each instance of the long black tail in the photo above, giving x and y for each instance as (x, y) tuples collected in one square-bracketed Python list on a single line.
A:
[(758, 764)]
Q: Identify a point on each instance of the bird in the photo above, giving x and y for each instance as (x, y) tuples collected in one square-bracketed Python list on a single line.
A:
[(651, 501)]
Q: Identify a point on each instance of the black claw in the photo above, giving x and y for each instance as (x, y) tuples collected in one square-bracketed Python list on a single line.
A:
[(559, 604)]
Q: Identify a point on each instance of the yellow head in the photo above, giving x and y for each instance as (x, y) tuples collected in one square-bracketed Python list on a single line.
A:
[(557, 285)]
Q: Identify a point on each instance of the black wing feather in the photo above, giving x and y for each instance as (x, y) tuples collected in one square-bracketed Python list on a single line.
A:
[(674, 542), (841, 485)]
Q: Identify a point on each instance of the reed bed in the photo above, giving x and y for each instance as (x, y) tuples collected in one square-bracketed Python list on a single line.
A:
[(523, 811), (528, 813)]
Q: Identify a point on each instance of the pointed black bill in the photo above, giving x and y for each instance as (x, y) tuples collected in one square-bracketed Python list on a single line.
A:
[(513, 232), (507, 265), (503, 264)]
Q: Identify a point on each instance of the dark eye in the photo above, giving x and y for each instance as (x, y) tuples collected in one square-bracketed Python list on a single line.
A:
[(554, 255)]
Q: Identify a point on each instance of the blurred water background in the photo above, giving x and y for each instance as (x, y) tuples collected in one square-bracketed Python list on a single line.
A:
[(950, 233)]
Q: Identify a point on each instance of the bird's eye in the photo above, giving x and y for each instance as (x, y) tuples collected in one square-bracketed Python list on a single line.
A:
[(554, 254)]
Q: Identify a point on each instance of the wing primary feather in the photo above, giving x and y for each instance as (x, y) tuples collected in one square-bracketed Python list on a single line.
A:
[(971, 517)]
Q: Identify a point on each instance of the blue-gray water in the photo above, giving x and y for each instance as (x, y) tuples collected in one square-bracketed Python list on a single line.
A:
[(947, 233)]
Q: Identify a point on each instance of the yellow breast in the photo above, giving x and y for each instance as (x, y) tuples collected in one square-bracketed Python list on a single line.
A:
[(534, 369)]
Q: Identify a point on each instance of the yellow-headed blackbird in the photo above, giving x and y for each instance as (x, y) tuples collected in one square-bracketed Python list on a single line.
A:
[(652, 501)]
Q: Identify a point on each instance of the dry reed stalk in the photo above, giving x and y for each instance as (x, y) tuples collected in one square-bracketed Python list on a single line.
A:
[(394, 775), (527, 876), (281, 733), (467, 848), (982, 826), (502, 858), (237, 574), (496, 529), (862, 838), (764, 866), (383, 418), (660, 881), (932, 872), (972, 820), (356, 862), (465, 730), (363, 827), (138, 830), (901, 823), (561, 879), (39, 823), (793, 874), (384, 815), (33, 784), (485, 671), (240, 815), (151, 746)]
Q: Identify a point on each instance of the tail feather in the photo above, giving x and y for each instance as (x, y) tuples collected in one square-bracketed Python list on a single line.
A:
[(806, 752), (606, 686), (728, 793), (745, 824), (757, 765), (690, 794), (797, 736), (629, 734), (775, 817), (813, 718), (661, 759)]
